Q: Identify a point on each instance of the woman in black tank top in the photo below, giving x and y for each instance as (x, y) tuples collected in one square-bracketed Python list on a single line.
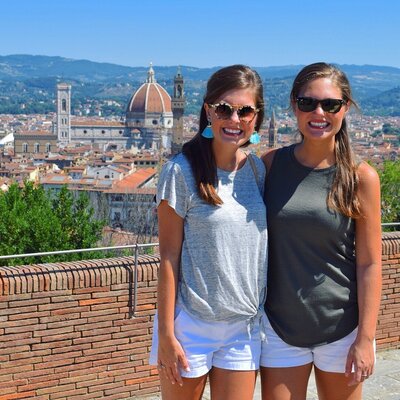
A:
[(324, 279)]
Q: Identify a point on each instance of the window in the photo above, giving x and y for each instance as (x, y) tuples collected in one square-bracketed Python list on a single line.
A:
[(155, 122), (36, 148), (64, 105), (84, 131), (24, 147), (103, 131), (48, 147)]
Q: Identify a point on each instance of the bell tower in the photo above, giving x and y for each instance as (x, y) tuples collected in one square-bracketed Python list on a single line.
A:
[(272, 131), (63, 113), (178, 107)]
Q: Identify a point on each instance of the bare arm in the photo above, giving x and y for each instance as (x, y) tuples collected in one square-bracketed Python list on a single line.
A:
[(369, 272), (170, 352)]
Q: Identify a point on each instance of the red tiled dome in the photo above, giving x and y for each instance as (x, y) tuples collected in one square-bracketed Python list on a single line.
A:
[(150, 98)]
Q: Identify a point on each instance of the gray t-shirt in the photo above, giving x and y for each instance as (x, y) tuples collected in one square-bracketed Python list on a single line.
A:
[(223, 271)]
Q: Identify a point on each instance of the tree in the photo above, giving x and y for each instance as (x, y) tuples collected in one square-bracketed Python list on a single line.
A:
[(34, 221), (390, 191)]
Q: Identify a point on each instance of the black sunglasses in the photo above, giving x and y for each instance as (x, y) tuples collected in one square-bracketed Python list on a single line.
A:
[(225, 111), (308, 104)]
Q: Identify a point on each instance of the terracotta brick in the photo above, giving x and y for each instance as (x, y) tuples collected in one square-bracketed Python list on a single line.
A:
[(53, 338), (90, 396), (92, 339), (12, 310), (14, 396), (13, 383), (96, 382)]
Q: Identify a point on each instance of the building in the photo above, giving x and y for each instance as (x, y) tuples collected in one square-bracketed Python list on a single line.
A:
[(34, 142), (148, 124), (178, 108), (272, 131), (63, 113)]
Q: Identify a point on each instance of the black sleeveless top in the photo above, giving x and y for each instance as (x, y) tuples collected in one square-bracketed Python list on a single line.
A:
[(312, 288)]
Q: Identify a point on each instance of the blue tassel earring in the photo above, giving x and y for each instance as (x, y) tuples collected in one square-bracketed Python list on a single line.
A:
[(255, 138), (207, 132)]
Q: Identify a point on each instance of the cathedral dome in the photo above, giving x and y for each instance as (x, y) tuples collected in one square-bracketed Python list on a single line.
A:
[(150, 105)]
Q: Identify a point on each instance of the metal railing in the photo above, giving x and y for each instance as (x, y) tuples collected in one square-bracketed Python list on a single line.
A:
[(129, 246), (390, 224)]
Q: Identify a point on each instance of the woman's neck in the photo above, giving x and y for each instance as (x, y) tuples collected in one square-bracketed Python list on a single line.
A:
[(315, 155), (231, 161)]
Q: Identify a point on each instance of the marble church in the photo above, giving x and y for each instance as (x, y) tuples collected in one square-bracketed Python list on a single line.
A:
[(153, 120)]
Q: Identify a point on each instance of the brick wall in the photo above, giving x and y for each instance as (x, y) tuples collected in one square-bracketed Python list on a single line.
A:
[(388, 330), (67, 332)]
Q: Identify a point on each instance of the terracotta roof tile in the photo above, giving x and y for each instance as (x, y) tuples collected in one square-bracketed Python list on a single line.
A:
[(133, 180)]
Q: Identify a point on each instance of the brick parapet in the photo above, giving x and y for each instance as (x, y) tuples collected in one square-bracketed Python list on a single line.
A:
[(388, 329), (67, 329), (73, 275)]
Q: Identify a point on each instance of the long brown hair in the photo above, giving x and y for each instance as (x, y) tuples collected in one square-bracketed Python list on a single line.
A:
[(198, 150), (343, 194)]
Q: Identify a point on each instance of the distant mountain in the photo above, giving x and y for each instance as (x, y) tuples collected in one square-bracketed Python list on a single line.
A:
[(27, 83), (385, 104), (23, 66)]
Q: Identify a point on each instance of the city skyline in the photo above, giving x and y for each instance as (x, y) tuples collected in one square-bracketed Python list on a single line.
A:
[(204, 34)]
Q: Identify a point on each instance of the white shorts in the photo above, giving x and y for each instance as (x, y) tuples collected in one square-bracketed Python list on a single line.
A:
[(228, 345), (329, 357)]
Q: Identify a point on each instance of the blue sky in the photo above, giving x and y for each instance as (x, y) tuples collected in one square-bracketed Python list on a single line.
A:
[(205, 33)]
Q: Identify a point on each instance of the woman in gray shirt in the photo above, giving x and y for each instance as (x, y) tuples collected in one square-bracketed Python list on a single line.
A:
[(212, 232)]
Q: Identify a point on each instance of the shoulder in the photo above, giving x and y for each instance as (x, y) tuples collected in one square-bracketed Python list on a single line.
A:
[(268, 158), (178, 163), (368, 182), (257, 161), (367, 175)]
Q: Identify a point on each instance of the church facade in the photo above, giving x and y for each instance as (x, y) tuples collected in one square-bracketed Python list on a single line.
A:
[(150, 121)]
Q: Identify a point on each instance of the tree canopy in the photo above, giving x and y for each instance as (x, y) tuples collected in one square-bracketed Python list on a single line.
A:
[(390, 191), (34, 220)]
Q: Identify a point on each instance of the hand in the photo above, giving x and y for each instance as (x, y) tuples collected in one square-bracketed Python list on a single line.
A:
[(361, 359), (171, 358)]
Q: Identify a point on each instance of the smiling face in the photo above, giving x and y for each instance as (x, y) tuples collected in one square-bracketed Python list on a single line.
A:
[(232, 131), (320, 124)]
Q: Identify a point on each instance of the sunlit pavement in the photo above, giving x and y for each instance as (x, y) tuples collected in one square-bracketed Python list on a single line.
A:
[(384, 384)]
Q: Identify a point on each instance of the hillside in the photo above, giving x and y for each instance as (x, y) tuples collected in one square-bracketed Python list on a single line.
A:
[(27, 83)]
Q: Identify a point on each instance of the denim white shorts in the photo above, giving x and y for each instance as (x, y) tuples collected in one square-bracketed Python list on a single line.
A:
[(330, 357), (227, 345)]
